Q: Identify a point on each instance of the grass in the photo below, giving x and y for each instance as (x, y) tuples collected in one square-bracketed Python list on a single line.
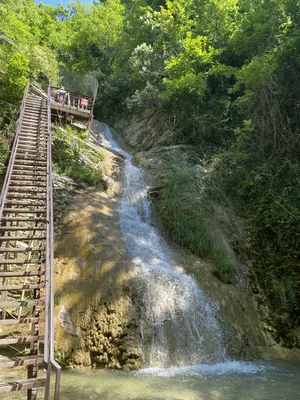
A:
[(188, 222)]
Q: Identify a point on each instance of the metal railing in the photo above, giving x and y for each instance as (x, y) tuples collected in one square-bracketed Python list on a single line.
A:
[(49, 360), (78, 101)]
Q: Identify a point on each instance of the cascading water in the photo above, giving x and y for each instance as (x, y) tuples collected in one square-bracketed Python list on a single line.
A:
[(178, 323)]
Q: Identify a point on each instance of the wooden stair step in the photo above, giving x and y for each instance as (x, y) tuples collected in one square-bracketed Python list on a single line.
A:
[(33, 123), (26, 286), (29, 168), (21, 321), (23, 211), (21, 238), (9, 274), (21, 182), (9, 261), (29, 145), (27, 162), (29, 178), (26, 186), (19, 249), (27, 135), (32, 150), (26, 138), (28, 174), (16, 386), (22, 228), (26, 195), (29, 158), (38, 206), (19, 361), (26, 201), (30, 104), (34, 101), (35, 109), (22, 303), (20, 340), (25, 219), (31, 116)]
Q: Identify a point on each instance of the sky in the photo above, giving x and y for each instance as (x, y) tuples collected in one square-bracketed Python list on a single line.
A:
[(56, 2)]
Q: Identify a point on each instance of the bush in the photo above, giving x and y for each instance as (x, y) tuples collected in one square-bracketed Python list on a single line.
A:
[(68, 151), (268, 196), (187, 222)]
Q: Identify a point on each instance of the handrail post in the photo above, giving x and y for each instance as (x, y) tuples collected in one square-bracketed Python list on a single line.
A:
[(47, 347), (49, 308)]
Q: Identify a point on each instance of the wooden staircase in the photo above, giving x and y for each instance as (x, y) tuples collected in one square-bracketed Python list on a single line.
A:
[(26, 252)]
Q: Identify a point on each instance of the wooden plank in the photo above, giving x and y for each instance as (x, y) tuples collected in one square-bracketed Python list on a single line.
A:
[(29, 188), (21, 238), (27, 286), (20, 321), (22, 228), (24, 219), (26, 203), (28, 174), (30, 178), (22, 385), (20, 250), (20, 340), (29, 168), (22, 303), (29, 158), (29, 163), (20, 262), (23, 211), (26, 185), (19, 361), (71, 110), (25, 196), (20, 273)]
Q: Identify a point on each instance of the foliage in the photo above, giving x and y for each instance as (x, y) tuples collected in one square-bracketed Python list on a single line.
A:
[(70, 154), (188, 221), (24, 52)]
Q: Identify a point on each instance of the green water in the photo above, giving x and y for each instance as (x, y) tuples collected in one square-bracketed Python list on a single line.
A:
[(226, 381)]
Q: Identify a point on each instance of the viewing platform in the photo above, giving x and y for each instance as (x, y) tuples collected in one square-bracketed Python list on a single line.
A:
[(67, 105)]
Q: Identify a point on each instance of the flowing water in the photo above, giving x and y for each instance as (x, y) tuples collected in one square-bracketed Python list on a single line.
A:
[(225, 381), (179, 324)]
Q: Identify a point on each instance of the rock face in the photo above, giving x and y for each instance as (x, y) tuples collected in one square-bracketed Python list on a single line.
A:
[(97, 313), (146, 132)]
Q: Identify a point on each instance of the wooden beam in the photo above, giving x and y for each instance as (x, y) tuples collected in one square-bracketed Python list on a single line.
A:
[(22, 385)]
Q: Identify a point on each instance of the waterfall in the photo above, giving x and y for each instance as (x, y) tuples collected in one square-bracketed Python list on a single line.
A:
[(179, 323)]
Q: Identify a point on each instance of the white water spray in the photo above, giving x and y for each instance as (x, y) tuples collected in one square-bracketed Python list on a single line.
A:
[(178, 323)]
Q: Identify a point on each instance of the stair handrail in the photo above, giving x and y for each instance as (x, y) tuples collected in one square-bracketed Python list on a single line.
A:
[(49, 278), (13, 154)]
